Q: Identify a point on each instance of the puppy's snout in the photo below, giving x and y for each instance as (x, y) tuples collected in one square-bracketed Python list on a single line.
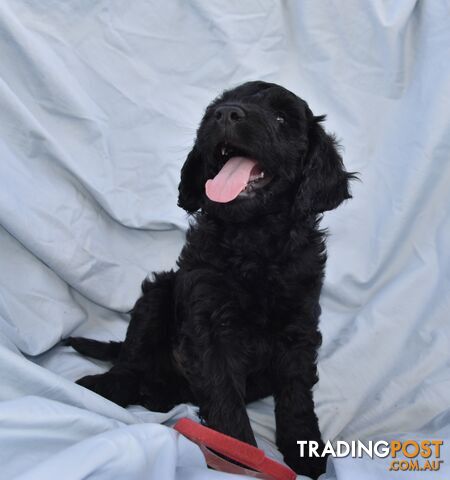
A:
[(229, 114)]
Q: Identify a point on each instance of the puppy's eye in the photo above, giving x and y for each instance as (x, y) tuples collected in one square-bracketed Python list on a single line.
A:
[(280, 119)]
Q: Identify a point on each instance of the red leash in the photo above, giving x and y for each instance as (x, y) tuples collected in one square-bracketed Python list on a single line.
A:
[(259, 466)]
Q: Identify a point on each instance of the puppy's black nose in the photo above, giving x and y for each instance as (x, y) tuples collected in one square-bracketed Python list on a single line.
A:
[(230, 113)]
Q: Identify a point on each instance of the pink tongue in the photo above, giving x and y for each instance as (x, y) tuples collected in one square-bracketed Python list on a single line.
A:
[(231, 180)]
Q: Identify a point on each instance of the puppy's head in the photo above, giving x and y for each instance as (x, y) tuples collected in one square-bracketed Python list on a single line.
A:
[(259, 149)]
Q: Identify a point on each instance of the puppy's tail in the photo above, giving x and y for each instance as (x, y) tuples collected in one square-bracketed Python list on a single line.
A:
[(94, 348)]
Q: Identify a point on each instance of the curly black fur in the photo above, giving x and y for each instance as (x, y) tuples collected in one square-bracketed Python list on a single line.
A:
[(238, 320)]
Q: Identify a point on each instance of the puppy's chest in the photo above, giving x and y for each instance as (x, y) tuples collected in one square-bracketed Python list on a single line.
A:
[(264, 271), (250, 267), (265, 268)]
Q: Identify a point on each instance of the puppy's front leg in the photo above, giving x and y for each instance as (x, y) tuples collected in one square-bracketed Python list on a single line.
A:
[(217, 380), (212, 351), (295, 373), (222, 402)]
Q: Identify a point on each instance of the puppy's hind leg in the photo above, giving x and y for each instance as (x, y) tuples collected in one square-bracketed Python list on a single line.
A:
[(145, 353)]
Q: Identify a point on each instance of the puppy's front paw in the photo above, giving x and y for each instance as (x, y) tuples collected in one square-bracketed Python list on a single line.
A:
[(310, 466)]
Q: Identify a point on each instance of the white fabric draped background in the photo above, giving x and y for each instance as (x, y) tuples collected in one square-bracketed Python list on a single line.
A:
[(99, 103)]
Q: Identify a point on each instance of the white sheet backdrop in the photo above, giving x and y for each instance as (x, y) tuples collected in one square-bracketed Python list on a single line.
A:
[(99, 102)]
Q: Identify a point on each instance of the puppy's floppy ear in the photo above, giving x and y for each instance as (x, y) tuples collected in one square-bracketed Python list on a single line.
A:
[(325, 183), (191, 185)]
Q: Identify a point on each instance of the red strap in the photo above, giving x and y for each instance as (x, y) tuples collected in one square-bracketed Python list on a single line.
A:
[(241, 452)]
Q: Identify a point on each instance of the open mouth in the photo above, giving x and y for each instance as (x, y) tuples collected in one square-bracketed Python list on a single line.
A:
[(240, 176)]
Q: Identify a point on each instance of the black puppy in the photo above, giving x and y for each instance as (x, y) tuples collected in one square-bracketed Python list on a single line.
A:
[(238, 320)]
